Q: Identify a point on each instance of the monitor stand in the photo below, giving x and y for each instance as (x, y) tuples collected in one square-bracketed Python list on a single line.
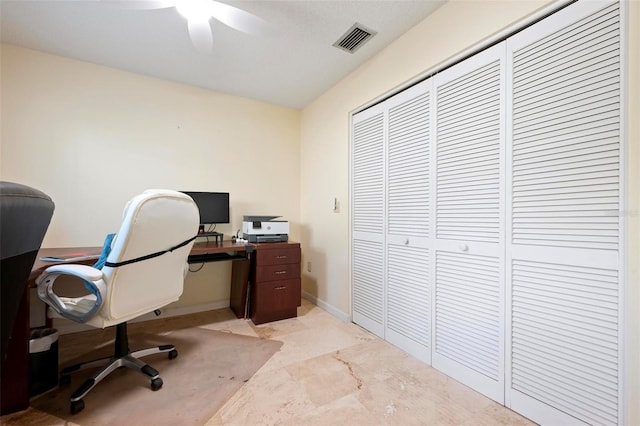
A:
[(211, 234)]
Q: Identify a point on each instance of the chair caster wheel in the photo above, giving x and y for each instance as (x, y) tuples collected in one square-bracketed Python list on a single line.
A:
[(77, 406), (64, 380), (173, 354), (156, 384)]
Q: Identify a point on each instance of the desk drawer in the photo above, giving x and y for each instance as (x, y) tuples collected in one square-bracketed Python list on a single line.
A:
[(275, 300), (278, 256), (277, 272), (276, 296)]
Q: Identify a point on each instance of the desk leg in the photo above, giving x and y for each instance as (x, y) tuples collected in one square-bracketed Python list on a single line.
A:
[(14, 380), (239, 286)]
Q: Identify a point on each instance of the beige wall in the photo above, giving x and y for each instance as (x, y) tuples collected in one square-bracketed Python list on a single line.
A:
[(92, 137), (456, 26), (632, 213)]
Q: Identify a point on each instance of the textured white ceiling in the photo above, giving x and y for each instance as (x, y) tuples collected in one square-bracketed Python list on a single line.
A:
[(290, 68)]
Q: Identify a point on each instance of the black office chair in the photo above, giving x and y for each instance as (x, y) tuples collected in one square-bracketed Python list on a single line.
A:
[(25, 214)]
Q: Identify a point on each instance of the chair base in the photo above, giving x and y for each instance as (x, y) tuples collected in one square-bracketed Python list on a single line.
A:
[(122, 358)]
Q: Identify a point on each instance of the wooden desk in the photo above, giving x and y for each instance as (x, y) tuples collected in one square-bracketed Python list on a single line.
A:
[(39, 266)]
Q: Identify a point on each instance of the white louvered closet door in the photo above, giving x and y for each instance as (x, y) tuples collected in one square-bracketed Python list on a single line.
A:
[(408, 288), (565, 293), (468, 336), (367, 177)]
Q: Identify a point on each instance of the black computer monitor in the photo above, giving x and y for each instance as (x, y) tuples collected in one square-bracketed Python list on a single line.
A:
[(213, 206)]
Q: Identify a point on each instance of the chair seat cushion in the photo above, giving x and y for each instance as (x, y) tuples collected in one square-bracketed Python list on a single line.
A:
[(80, 305)]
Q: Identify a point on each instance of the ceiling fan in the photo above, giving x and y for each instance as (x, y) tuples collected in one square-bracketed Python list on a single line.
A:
[(199, 13)]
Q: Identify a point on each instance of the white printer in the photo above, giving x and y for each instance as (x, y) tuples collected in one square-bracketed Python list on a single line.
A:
[(264, 229)]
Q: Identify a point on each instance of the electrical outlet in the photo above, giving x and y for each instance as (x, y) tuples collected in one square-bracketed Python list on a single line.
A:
[(309, 266)]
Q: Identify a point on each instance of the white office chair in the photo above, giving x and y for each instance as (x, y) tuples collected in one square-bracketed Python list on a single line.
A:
[(144, 271)]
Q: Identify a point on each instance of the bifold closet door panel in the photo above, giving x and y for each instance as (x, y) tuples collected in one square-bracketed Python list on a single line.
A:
[(408, 288), (565, 292), (368, 204), (468, 188)]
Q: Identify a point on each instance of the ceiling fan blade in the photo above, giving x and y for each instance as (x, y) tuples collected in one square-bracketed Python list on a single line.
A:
[(240, 20), (201, 35), (140, 4)]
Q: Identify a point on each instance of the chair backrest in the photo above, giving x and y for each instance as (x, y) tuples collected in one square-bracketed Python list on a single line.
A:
[(25, 214), (153, 221)]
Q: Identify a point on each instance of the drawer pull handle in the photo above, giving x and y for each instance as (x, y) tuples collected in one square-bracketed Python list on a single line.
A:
[(282, 287), (281, 257), (280, 272)]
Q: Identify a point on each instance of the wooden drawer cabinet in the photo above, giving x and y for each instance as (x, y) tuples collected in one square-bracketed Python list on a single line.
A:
[(275, 282)]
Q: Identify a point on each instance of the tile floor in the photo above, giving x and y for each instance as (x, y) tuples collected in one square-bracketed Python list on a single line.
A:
[(329, 372)]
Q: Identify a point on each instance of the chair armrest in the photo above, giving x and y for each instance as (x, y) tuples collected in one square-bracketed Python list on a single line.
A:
[(76, 309)]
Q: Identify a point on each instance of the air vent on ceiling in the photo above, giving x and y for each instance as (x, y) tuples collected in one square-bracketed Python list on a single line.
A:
[(355, 37)]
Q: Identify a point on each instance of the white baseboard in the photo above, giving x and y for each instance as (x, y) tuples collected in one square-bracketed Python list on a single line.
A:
[(327, 307), (66, 326)]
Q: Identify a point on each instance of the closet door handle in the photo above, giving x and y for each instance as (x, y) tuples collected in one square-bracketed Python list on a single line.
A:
[(464, 247), (406, 241)]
